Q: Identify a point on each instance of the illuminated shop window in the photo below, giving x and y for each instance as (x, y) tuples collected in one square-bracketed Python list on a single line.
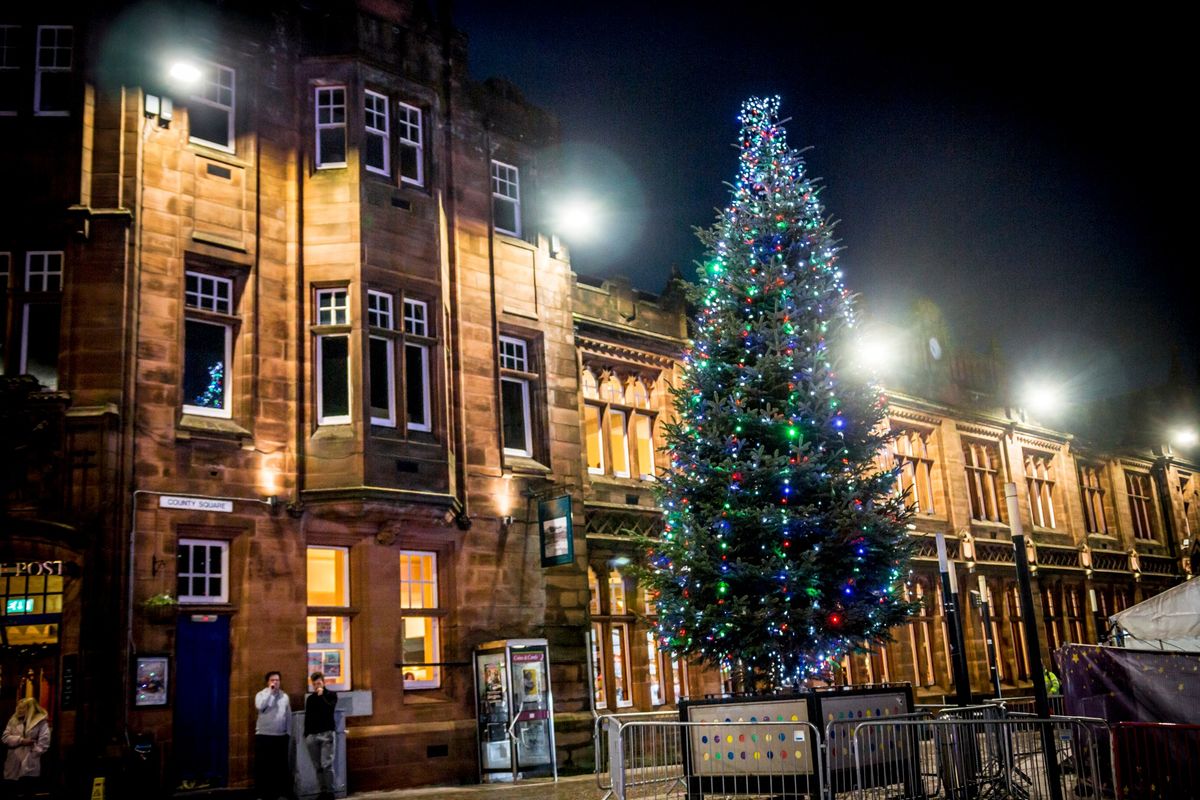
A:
[(327, 624), (32, 609), (418, 594)]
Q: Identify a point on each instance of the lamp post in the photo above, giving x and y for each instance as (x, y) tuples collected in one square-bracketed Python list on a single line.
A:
[(950, 605), (985, 611), (1041, 700)]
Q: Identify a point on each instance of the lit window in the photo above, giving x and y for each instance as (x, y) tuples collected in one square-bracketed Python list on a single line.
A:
[(412, 148), (30, 609), (10, 84), (1039, 480), (1092, 493), (618, 424), (208, 344), (616, 593), (201, 570), (516, 412), (333, 356), (909, 455), (654, 669), (1145, 521), (328, 622), (419, 592), (41, 316), (599, 697), (620, 663), (376, 156), (331, 126), (984, 476), (679, 679), (642, 429), (52, 71), (212, 108), (593, 591), (506, 198), (594, 438)]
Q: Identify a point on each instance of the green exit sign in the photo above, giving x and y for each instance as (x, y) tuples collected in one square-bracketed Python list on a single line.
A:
[(19, 605)]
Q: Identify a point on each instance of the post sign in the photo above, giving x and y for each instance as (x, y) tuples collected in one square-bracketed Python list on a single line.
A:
[(195, 504), (557, 531), (34, 568)]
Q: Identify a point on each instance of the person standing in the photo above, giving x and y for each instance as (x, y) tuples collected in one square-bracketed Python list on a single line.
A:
[(271, 774), (26, 737), (319, 730)]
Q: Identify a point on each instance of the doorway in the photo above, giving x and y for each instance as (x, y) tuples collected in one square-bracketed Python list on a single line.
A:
[(201, 750)]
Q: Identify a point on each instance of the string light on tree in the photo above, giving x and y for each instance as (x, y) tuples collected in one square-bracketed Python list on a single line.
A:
[(783, 543)]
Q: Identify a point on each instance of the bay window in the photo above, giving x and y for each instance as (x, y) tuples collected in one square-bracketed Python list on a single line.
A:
[(332, 356)]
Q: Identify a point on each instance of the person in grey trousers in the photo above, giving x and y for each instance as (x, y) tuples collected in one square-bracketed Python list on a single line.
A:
[(271, 735), (319, 733)]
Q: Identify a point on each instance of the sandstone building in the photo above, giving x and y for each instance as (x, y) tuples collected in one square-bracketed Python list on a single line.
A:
[(305, 359)]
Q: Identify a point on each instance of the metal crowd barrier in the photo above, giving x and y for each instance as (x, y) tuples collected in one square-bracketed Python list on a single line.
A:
[(1156, 761), (1026, 705), (972, 753), (604, 726)]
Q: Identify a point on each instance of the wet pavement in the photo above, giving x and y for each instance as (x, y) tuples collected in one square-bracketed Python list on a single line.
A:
[(575, 787)]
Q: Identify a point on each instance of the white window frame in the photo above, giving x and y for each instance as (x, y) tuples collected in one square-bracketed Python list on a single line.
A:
[(223, 597), (50, 280), (514, 355), (619, 631), (506, 188), (40, 70), (9, 37), (409, 121), (599, 671), (417, 324), (213, 302), (207, 84), (381, 317), (375, 108), (344, 647), (432, 613), (331, 106), (598, 410), (334, 314)]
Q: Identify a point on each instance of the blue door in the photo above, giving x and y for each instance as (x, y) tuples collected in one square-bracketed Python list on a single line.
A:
[(202, 701)]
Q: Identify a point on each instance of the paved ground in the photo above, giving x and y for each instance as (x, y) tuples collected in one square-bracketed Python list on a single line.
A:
[(576, 787)]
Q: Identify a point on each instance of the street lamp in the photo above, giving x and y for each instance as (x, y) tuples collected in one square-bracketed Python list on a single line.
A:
[(1185, 438), (1043, 398), (577, 219)]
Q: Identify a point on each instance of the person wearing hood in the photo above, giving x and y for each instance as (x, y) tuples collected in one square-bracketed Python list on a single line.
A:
[(26, 737)]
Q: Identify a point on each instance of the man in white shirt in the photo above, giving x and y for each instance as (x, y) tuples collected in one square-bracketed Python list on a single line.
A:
[(272, 775)]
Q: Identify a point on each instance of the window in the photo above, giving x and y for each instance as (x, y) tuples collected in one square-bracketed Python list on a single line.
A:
[(419, 592), (1039, 479), (1145, 523), (10, 85), (619, 631), (679, 679), (32, 609), (984, 476), (210, 117), (618, 423), (1092, 494), (201, 570), (616, 593), (599, 695), (5, 276), (208, 344), (41, 312), (328, 622), (593, 591), (1016, 632), (909, 456), (52, 71), (921, 633), (412, 148), (414, 342), (516, 376), (376, 152), (333, 357), (1189, 492), (331, 126), (506, 199), (654, 670)]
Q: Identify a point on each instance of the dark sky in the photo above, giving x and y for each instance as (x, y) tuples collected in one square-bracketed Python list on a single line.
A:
[(1032, 175)]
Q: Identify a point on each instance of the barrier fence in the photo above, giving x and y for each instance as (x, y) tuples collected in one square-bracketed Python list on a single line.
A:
[(978, 752)]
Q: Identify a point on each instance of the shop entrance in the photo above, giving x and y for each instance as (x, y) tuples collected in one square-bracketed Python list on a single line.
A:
[(29, 647), (201, 693)]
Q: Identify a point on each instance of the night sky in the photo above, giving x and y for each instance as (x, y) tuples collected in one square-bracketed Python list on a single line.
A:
[(1030, 175)]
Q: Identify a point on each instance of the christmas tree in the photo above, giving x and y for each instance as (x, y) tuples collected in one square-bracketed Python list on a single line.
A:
[(783, 543)]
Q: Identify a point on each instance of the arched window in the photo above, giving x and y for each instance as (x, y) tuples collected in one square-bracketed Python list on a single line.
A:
[(590, 387)]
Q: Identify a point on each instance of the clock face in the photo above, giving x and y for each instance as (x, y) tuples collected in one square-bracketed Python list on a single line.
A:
[(935, 347)]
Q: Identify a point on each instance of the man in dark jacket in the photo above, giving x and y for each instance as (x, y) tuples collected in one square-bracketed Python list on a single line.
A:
[(319, 733)]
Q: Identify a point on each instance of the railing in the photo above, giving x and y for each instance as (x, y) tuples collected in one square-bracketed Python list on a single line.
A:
[(1027, 705), (1156, 761), (603, 726)]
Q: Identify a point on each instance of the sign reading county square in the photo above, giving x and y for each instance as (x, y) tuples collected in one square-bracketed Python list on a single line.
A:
[(195, 504)]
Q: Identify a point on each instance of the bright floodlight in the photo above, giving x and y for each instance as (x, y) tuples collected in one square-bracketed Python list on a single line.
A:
[(1185, 437), (875, 352), (1043, 398), (184, 73), (576, 219)]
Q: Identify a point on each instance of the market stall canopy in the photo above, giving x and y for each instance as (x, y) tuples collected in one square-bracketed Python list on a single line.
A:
[(1167, 621)]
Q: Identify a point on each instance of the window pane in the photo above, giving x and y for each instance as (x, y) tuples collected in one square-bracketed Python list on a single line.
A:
[(204, 368), (335, 370), (40, 348), (381, 380), (210, 124), (420, 651), (327, 575), (54, 91), (416, 386), (514, 398), (618, 444), (332, 146), (643, 433), (410, 163), (504, 214), (375, 152), (592, 435), (601, 701)]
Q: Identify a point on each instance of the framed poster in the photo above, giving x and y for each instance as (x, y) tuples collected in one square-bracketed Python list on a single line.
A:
[(150, 681), (557, 531)]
